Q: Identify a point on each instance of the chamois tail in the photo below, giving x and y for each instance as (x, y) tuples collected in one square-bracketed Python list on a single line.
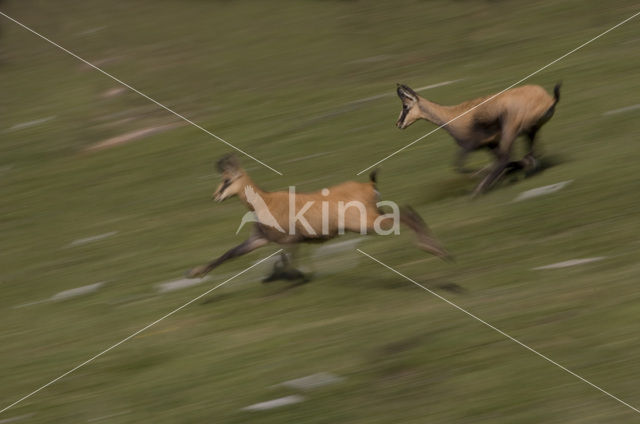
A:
[(556, 92), (549, 113), (373, 176)]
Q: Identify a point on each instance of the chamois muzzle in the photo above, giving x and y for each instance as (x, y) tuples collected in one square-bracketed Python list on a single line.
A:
[(219, 194), (229, 167), (400, 122), (409, 98)]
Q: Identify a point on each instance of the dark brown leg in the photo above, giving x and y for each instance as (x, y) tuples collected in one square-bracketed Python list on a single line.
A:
[(529, 162), (426, 240), (496, 173), (251, 244), (460, 160), (502, 153)]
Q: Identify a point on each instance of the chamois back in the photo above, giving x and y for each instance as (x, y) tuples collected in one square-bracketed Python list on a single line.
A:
[(356, 201)]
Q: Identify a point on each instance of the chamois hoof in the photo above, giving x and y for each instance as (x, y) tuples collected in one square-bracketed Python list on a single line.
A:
[(533, 167), (270, 278), (477, 192), (287, 275), (299, 276), (481, 172)]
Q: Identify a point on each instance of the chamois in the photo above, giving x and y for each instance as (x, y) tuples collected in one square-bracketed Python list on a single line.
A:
[(493, 125), (347, 207)]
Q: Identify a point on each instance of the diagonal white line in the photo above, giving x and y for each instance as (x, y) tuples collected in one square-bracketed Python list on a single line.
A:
[(499, 331), (168, 109), (138, 332), (497, 94)]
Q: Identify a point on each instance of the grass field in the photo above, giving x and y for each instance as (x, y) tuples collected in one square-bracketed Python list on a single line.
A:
[(282, 80)]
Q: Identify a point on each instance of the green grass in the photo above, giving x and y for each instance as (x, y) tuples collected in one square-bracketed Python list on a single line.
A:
[(268, 77)]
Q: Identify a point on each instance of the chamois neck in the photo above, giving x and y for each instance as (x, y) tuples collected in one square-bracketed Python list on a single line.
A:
[(434, 112), (245, 182)]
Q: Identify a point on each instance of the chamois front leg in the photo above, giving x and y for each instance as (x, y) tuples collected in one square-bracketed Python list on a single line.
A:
[(251, 244), (499, 168), (503, 153), (529, 163), (460, 160)]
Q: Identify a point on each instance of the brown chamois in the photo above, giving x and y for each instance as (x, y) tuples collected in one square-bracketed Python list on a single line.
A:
[(317, 217), (493, 125)]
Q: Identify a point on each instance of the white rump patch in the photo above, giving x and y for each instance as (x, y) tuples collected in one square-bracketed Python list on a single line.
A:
[(541, 191), (572, 262), (275, 403), (311, 381)]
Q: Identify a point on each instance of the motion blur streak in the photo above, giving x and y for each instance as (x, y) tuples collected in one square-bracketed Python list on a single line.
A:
[(138, 332), (500, 92), (498, 330), (140, 93), (105, 202)]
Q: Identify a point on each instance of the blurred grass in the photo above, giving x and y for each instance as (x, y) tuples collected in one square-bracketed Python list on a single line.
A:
[(276, 79)]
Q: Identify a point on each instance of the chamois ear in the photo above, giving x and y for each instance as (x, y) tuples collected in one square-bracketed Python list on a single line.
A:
[(228, 163), (406, 93)]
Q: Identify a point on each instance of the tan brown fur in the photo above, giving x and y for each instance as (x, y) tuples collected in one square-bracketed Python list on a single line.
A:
[(493, 125), (235, 182)]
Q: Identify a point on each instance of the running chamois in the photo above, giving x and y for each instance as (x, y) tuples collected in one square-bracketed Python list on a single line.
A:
[(319, 216), (489, 124)]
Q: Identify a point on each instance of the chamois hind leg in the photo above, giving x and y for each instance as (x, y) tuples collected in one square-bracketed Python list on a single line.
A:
[(528, 163), (426, 240), (252, 243), (410, 218), (499, 168), (460, 160)]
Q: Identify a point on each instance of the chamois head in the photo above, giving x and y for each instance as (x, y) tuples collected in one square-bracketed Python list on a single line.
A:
[(231, 174), (410, 109)]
